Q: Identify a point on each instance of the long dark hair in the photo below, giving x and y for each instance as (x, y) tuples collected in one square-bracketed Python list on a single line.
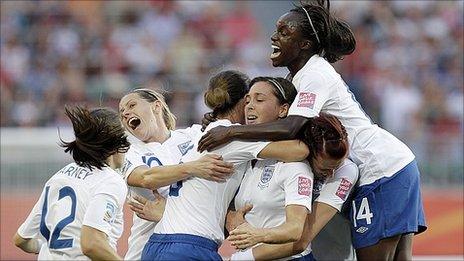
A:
[(326, 134), (99, 134), (330, 37)]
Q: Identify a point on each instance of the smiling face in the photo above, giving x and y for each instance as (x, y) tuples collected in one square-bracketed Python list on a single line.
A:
[(140, 117), (287, 41), (262, 104)]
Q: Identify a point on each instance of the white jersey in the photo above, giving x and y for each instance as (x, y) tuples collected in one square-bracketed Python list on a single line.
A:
[(376, 152), (334, 241), (197, 206), (270, 186), (153, 154), (73, 197)]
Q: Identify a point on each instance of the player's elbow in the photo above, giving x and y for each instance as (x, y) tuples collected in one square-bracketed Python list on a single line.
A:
[(18, 240), (295, 231), (89, 246)]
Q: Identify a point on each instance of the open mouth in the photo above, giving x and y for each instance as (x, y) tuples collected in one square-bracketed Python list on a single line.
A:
[(275, 51), (251, 118), (133, 123)]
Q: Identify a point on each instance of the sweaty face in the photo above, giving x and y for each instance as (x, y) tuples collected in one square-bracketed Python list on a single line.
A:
[(262, 105), (323, 165), (286, 40), (137, 116)]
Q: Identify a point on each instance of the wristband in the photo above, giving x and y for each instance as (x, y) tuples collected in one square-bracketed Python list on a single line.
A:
[(246, 255)]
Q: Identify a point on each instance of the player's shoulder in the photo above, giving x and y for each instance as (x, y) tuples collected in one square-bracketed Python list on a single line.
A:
[(349, 170), (300, 167), (191, 131)]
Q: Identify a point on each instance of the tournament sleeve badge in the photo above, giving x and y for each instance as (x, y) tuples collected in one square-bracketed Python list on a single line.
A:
[(110, 212), (343, 188), (185, 147), (304, 186), (306, 99)]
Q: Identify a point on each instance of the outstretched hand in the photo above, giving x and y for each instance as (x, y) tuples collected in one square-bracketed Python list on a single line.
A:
[(151, 210), (214, 138), (211, 167)]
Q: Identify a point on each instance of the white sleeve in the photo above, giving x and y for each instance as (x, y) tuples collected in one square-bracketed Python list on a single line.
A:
[(314, 91), (240, 151), (336, 189), (132, 160), (297, 181), (105, 205), (31, 227)]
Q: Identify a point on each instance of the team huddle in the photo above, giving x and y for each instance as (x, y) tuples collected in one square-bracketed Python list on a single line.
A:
[(288, 169)]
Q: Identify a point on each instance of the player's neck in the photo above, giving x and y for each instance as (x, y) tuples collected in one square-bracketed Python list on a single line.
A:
[(299, 63)]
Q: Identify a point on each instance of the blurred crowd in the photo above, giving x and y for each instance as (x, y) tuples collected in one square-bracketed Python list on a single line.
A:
[(407, 70)]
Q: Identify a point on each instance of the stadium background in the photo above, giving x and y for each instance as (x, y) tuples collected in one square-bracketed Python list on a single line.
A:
[(407, 72)]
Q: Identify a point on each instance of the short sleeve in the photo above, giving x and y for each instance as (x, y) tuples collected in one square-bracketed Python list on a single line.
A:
[(314, 91), (132, 160), (31, 226), (240, 151), (105, 206), (336, 190), (297, 181)]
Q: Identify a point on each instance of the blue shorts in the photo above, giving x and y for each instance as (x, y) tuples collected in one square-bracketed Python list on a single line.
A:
[(388, 207), (180, 247), (308, 257)]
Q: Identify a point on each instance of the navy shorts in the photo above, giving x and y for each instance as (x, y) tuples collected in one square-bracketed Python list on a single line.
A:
[(180, 247), (388, 207)]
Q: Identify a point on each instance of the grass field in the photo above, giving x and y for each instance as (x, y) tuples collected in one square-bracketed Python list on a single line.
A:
[(443, 239)]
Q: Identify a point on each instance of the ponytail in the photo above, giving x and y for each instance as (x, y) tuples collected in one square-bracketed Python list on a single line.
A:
[(331, 37)]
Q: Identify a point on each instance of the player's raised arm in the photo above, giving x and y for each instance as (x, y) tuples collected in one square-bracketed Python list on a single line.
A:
[(282, 129)]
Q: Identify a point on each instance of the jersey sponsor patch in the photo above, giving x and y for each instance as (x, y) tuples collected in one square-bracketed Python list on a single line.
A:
[(110, 212), (266, 176), (345, 186), (304, 186), (185, 147), (306, 99)]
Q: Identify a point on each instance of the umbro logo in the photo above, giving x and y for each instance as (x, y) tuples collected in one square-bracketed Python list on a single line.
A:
[(362, 230)]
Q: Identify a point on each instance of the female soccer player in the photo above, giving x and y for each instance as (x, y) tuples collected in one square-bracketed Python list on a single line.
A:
[(79, 213), (192, 226), (271, 193), (147, 117), (387, 208)]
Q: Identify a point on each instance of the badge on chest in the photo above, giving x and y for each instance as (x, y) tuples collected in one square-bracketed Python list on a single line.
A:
[(266, 177)]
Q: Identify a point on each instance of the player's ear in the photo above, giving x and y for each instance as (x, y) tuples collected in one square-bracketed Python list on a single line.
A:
[(156, 106), (305, 44), (283, 110)]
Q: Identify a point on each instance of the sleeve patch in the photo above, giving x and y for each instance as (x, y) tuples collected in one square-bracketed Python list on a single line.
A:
[(345, 186), (304, 186), (306, 99), (110, 212)]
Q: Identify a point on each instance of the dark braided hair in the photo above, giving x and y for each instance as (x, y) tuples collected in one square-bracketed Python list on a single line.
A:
[(335, 36), (99, 134), (326, 134)]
